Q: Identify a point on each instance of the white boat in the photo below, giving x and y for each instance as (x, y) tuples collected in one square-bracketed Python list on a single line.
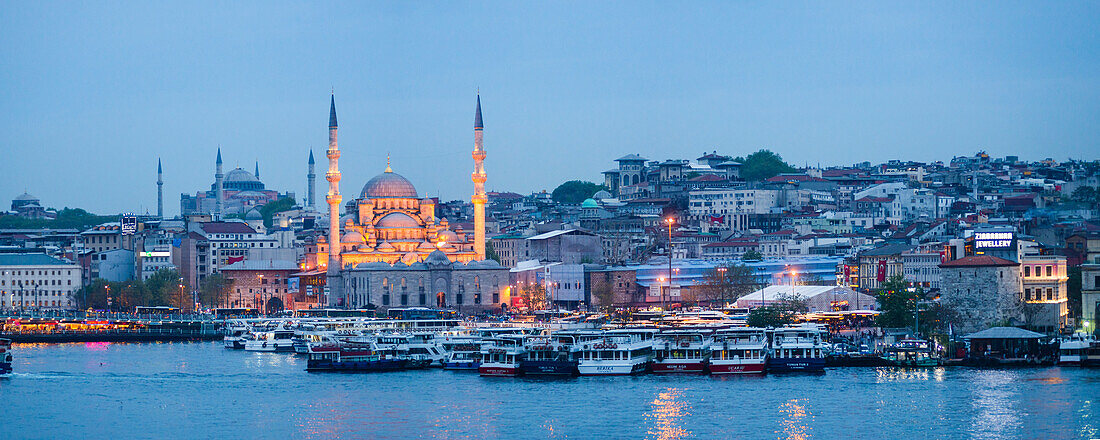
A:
[(681, 351), (501, 356), (235, 335), (1074, 350), (797, 348), (425, 346), (741, 350), (617, 353), (278, 340), (5, 357), (463, 352)]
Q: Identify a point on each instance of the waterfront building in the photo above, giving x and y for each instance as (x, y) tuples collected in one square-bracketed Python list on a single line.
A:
[(818, 298), (208, 247), (436, 281), (1044, 280), (266, 285), (879, 264), (983, 289), (34, 280), (1090, 296)]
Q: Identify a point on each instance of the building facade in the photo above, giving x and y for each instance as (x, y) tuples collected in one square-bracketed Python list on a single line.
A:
[(37, 281), (437, 281)]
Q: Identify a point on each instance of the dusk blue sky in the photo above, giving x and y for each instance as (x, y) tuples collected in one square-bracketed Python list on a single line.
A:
[(92, 93)]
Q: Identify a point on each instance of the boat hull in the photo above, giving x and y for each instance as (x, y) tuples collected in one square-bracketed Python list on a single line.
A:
[(788, 365), (688, 367), (605, 369), (739, 368), (548, 368), (356, 366), (496, 370), (468, 365)]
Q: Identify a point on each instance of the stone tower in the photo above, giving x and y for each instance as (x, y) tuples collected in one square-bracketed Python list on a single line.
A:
[(160, 190), (333, 198), (478, 177), (218, 181), (311, 180)]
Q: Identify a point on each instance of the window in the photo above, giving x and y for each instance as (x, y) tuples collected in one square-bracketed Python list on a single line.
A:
[(1050, 294), (1027, 294), (1027, 271), (1050, 271)]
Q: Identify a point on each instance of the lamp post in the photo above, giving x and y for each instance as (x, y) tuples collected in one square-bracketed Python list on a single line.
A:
[(664, 307), (260, 294)]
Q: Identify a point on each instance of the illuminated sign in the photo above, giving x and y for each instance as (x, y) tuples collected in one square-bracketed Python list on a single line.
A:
[(986, 240), (128, 224)]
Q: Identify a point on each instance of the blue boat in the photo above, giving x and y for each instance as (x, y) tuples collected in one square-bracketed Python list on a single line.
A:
[(463, 354), (353, 356), (790, 365), (549, 355), (5, 357), (548, 367)]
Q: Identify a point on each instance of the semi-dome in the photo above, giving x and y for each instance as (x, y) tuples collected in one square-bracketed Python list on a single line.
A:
[(352, 237), (589, 203), (447, 236), (397, 220), (601, 194), (437, 257), (253, 214), (388, 185)]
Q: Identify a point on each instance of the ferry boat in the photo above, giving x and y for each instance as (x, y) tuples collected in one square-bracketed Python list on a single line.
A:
[(398, 345), (912, 353), (353, 356), (278, 340), (462, 353), (501, 356), (739, 351), (424, 345), (5, 357), (681, 351), (797, 348), (617, 353), (235, 336), (1074, 350), (550, 355)]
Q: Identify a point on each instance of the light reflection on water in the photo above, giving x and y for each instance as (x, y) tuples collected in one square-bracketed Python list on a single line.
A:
[(668, 410), (796, 420), (994, 403)]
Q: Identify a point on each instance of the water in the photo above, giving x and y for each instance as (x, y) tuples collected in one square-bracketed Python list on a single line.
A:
[(200, 390)]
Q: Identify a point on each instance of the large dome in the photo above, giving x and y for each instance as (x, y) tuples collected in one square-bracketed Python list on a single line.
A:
[(388, 185), (238, 179), (398, 220)]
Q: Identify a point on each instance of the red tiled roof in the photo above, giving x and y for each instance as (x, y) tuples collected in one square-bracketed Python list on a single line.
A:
[(979, 261)]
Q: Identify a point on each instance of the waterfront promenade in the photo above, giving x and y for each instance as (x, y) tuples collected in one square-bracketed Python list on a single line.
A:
[(78, 326)]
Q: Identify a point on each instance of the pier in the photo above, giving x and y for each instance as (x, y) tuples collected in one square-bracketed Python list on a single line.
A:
[(56, 327)]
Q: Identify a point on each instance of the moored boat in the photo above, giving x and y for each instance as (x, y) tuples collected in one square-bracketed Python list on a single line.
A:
[(501, 356), (352, 356), (741, 350), (912, 353), (615, 354), (5, 357), (797, 349), (681, 351), (1074, 350), (549, 355), (279, 340)]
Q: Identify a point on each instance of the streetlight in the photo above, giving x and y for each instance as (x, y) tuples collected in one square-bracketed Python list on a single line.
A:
[(670, 222)]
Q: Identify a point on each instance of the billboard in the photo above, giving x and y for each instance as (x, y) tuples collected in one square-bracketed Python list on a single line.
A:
[(127, 224), (992, 240)]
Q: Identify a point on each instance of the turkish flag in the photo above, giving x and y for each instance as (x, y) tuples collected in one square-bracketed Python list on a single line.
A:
[(232, 260), (717, 218), (881, 270)]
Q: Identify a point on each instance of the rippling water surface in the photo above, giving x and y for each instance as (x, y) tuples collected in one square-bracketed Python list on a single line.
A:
[(201, 390)]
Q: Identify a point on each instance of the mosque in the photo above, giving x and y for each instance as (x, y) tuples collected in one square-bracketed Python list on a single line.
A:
[(235, 192), (390, 249)]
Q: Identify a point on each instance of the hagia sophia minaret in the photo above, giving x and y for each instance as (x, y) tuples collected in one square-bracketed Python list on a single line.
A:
[(218, 181), (311, 179), (478, 177), (160, 190), (333, 198)]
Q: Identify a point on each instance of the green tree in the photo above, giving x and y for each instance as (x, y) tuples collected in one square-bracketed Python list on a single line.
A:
[(781, 312), (214, 290), (491, 253), (763, 165), (752, 255), (269, 210), (274, 305), (164, 289), (74, 218), (574, 192), (895, 303), (534, 295)]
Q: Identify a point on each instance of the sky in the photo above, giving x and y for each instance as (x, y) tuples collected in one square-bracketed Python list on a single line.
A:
[(93, 93)]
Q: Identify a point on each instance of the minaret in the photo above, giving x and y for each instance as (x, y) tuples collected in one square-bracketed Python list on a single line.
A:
[(160, 190), (312, 181), (218, 193), (257, 170), (333, 177), (478, 177)]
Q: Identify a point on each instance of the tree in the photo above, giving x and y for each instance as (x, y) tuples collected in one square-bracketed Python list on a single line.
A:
[(274, 305), (896, 303), (490, 253), (603, 294), (726, 283), (782, 312), (164, 289), (1073, 291), (534, 295), (763, 165), (74, 218), (269, 210), (214, 290), (574, 192), (752, 255)]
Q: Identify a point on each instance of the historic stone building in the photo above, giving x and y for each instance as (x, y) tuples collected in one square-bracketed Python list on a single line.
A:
[(984, 290), (435, 282)]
